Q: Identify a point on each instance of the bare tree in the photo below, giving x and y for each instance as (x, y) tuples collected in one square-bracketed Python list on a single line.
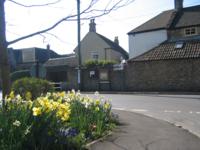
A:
[(91, 11)]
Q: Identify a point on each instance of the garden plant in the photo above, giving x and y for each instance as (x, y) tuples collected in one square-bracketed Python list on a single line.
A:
[(53, 121)]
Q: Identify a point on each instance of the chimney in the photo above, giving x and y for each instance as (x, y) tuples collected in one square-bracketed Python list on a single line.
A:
[(48, 52), (92, 26), (48, 47), (116, 40), (178, 4)]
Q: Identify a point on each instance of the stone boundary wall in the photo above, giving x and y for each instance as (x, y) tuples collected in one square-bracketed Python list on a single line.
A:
[(163, 75)]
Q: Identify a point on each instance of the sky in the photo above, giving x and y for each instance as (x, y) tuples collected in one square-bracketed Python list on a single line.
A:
[(21, 21)]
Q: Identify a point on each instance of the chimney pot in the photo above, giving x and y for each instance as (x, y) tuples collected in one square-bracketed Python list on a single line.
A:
[(48, 47)]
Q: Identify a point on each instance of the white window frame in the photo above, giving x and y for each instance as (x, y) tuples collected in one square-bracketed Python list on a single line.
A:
[(190, 31), (94, 55)]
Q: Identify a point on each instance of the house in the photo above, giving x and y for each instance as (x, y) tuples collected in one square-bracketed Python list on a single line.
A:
[(165, 52), (24, 58), (176, 24), (95, 46), (29, 61)]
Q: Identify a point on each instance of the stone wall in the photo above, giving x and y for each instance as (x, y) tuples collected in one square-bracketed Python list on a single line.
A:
[(90, 83), (115, 81), (165, 75)]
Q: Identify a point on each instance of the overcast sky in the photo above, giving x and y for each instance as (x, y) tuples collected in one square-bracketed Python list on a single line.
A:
[(22, 21)]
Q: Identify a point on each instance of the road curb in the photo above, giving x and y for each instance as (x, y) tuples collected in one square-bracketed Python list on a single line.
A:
[(150, 116)]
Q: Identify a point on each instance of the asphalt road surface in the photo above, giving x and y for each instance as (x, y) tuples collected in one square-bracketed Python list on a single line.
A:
[(181, 110)]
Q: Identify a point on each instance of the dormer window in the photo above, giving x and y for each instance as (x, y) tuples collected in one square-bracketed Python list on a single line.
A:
[(190, 31)]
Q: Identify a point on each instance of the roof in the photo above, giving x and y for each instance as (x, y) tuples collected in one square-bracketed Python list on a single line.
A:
[(63, 61), (114, 46), (189, 16), (168, 50)]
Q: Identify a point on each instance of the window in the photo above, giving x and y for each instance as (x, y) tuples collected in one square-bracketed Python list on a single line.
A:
[(179, 45), (94, 55), (190, 31)]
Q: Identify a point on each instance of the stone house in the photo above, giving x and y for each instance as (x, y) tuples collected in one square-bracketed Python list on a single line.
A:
[(95, 46), (165, 52)]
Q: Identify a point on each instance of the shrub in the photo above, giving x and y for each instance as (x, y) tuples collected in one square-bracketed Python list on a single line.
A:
[(31, 87), (53, 121), (19, 74), (100, 63)]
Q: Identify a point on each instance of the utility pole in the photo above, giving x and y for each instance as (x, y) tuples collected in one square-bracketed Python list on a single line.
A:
[(79, 44)]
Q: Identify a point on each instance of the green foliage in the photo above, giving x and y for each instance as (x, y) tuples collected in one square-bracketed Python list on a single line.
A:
[(100, 63), (54, 121), (34, 86), (19, 74)]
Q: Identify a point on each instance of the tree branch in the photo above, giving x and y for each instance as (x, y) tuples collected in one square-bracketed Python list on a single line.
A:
[(86, 11), (39, 5), (50, 28)]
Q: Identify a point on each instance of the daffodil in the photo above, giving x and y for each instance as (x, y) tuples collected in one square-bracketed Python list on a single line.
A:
[(97, 108), (27, 131), (62, 94), (12, 95), (65, 117), (55, 105), (97, 102), (36, 111), (106, 105), (17, 123)]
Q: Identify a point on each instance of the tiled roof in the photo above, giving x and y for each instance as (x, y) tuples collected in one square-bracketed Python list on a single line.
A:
[(188, 17), (168, 50), (114, 46), (170, 19), (63, 61), (161, 21)]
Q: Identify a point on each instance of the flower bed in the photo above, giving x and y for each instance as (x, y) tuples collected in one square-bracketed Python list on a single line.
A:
[(53, 121)]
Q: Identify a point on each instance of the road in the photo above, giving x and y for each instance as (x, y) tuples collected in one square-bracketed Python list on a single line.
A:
[(181, 110)]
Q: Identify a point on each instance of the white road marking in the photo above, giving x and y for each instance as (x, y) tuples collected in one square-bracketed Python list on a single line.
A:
[(191, 112), (197, 112), (139, 110), (118, 108), (169, 111)]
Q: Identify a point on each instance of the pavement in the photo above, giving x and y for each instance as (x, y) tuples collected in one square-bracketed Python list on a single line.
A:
[(180, 110), (139, 132)]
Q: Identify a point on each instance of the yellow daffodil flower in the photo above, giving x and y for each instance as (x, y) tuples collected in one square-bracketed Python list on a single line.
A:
[(36, 111)]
